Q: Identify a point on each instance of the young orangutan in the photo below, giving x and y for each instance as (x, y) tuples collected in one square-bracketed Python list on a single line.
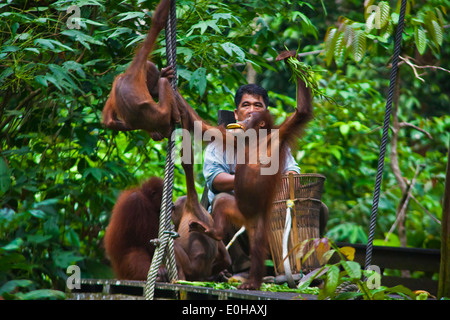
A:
[(134, 222), (199, 255), (131, 104), (253, 191)]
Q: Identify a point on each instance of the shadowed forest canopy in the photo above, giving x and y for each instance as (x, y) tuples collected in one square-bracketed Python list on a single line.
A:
[(61, 170)]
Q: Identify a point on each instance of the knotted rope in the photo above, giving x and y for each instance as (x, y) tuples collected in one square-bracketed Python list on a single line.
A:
[(164, 243)]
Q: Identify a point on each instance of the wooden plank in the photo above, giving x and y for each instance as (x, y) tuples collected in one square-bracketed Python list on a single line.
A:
[(111, 289), (395, 258), (228, 294)]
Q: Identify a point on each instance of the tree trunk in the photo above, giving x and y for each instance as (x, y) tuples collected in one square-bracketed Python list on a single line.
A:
[(395, 165), (444, 273)]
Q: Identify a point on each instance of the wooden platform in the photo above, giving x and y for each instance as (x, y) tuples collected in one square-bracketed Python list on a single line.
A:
[(110, 289), (412, 259), (395, 258)]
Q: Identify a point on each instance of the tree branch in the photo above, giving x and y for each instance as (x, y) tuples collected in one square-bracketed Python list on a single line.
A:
[(394, 140), (404, 204), (414, 67), (407, 124)]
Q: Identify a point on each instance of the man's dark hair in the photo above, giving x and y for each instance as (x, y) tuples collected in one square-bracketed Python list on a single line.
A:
[(252, 89)]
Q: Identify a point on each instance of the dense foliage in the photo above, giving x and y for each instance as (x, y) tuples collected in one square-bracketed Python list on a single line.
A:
[(61, 171)]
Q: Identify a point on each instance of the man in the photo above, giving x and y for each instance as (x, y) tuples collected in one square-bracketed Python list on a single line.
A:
[(219, 174)]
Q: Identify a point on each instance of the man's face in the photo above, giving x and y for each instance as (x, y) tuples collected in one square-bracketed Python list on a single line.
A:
[(249, 103)]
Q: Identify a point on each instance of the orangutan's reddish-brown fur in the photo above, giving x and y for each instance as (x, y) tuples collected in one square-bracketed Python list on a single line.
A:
[(253, 191), (199, 255), (134, 222), (131, 103)]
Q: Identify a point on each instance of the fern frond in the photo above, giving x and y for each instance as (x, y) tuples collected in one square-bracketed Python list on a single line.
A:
[(330, 43)]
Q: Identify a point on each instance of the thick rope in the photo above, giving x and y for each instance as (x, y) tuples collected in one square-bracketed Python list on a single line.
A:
[(384, 138), (164, 243), (171, 41), (171, 52)]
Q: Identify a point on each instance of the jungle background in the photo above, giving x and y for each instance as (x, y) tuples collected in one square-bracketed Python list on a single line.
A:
[(61, 170)]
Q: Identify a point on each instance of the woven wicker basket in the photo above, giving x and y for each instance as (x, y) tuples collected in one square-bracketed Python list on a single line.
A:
[(305, 225)]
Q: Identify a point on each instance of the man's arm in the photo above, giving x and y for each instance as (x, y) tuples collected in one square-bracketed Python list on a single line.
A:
[(290, 165), (223, 182), (216, 171)]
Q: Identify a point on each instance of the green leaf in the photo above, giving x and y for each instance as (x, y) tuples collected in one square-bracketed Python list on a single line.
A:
[(51, 44), (53, 80), (13, 245), (38, 238), (306, 280), (136, 39), (326, 256), (73, 65), (203, 25), (339, 51), (434, 28), (81, 37), (371, 22), (394, 17), (73, 238), (46, 202), (330, 43), (349, 34), (5, 178), (440, 16), (119, 31), (42, 80), (37, 213), (62, 77), (43, 294), (344, 129), (334, 150), (420, 37), (358, 45), (402, 289), (10, 49), (12, 285), (231, 49), (96, 173), (437, 32), (308, 254), (63, 259), (332, 280), (187, 52), (348, 295), (32, 50), (84, 21), (384, 13), (302, 17), (353, 269), (198, 78), (131, 15)]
